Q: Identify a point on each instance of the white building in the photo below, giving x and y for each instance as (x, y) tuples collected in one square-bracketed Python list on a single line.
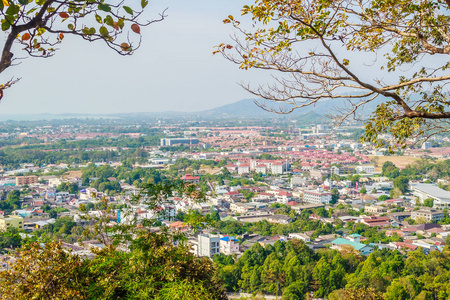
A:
[(284, 197), (441, 198), (300, 236), (240, 208), (363, 169), (278, 168), (317, 197), (426, 145), (243, 169), (261, 169), (229, 245), (208, 245), (429, 214)]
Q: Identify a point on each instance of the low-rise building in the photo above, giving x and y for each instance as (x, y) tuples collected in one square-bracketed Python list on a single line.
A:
[(240, 208), (429, 214), (316, 197), (364, 169), (26, 180), (441, 198), (280, 219), (300, 236), (352, 241), (374, 209), (11, 222)]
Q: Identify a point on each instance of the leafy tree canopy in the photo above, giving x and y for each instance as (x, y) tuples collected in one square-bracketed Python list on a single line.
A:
[(312, 45)]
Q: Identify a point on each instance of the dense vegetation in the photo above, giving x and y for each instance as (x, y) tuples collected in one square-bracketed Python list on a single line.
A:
[(153, 269), (295, 270)]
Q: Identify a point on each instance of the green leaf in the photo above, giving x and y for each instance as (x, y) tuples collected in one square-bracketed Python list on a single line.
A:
[(12, 10), (144, 3), (31, 10), (70, 26), (5, 25), (121, 23), (23, 2), (109, 20), (98, 19), (104, 7), (1, 5), (103, 31), (40, 2), (128, 10)]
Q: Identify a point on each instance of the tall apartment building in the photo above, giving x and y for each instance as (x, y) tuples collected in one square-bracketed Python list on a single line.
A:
[(208, 245), (26, 180)]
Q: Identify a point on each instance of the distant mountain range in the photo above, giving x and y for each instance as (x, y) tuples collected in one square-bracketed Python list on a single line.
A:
[(245, 108)]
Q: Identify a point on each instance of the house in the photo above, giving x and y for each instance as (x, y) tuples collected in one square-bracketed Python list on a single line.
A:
[(232, 168), (234, 195), (261, 169), (377, 221), (352, 241), (284, 197), (371, 209), (240, 208), (190, 178), (179, 226), (300, 236), (280, 219)]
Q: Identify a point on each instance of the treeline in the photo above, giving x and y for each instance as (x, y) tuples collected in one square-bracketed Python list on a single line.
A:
[(293, 269), (422, 169), (14, 157)]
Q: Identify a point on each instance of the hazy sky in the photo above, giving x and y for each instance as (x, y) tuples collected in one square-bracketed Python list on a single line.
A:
[(174, 70)]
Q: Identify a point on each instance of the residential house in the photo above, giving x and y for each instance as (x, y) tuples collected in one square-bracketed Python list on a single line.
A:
[(352, 241)]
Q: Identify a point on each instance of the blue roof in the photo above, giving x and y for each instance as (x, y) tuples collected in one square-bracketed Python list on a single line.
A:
[(228, 238), (355, 235), (356, 246)]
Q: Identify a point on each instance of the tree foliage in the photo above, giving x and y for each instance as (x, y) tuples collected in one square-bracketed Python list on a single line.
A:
[(313, 46), (38, 27), (153, 269)]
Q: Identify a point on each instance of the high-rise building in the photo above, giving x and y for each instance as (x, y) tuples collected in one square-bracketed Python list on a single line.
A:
[(208, 245)]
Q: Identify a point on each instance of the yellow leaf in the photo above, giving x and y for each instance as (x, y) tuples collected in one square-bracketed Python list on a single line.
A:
[(5, 3)]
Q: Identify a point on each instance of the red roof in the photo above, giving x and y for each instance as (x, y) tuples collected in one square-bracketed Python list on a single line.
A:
[(283, 193), (190, 177)]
